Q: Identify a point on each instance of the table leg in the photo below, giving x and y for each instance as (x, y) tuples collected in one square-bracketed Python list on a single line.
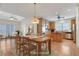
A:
[(39, 49), (49, 46)]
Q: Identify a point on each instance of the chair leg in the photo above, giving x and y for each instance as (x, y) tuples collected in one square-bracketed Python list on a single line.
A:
[(29, 52)]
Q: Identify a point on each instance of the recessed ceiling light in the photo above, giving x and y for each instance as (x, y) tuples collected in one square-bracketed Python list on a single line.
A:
[(68, 9), (12, 18), (56, 13)]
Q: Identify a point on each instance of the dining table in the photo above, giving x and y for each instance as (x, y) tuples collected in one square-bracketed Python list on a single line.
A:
[(39, 40)]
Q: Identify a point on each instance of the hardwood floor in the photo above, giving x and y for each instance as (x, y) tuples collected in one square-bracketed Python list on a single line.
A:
[(65, 48), (7, 47)]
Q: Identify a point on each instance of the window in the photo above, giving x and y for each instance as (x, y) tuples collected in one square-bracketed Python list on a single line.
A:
[(67, 26), (58, 26), (45, 28), (7, 29), (63, 26)]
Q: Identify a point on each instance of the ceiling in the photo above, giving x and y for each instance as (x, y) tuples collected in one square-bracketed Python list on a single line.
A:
[(24, 11)]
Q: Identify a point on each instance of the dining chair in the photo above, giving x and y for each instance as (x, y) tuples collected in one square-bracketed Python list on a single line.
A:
[(24, 46), (19, 45), (29, 46)]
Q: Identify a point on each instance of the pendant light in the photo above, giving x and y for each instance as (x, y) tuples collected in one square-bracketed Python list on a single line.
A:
[(35, 19)]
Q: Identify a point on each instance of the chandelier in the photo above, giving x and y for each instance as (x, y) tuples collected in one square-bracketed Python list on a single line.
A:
[(35, 19)]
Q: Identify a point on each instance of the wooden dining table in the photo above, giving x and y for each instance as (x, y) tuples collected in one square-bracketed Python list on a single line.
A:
[(39, 40)]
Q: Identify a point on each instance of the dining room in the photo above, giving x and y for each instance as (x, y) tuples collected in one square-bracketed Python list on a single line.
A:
[(38, 29)]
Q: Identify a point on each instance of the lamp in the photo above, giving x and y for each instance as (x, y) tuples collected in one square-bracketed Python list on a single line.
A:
[(35, 19)]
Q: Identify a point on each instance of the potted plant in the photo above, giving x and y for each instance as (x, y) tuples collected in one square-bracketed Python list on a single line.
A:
[(18, 32)]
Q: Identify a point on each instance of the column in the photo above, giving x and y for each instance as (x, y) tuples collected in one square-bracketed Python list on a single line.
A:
[(77, 27)]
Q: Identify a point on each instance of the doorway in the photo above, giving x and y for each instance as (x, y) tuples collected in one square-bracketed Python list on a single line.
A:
[(73, 29)]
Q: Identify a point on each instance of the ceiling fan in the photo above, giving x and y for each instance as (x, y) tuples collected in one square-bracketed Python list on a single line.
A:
[(58, 16)]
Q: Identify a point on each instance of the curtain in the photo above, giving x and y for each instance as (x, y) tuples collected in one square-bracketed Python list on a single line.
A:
[(7, 29)]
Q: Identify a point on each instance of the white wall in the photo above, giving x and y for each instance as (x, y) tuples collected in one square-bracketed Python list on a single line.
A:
[(77, 27), (2, 21), (24, 25)]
